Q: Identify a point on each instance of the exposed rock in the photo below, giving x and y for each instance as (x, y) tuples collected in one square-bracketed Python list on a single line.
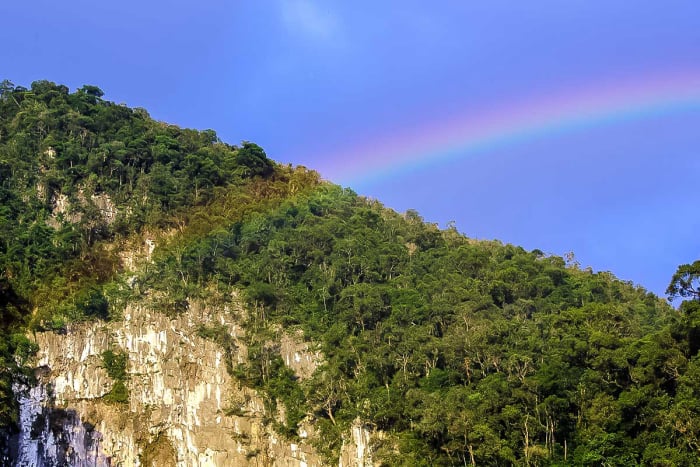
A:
[(183, 409), (133, 255), (356, 448), (298, 356), (104, 203), (62, 208)]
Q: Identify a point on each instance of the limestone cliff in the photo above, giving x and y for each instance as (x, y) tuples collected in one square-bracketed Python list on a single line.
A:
[(183, 408)]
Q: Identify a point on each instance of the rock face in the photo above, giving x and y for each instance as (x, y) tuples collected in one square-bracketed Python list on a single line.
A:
[(183, 408), (53, 436)]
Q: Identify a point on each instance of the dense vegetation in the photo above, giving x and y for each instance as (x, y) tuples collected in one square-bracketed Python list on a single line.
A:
[(79, 176), (115, 363), (460, 352)]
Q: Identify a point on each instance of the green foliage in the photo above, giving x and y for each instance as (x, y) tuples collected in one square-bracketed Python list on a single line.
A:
[(91, 303), (80, 175), (115, 363), (461, 352), (24, 349), (685, 282), (254, 160), (119, 394), (78, 172)]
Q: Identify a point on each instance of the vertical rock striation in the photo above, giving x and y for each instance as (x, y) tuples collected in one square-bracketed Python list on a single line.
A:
[(183, 407)]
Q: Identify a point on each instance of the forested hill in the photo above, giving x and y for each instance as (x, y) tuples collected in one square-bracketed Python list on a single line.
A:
[(458, 352)]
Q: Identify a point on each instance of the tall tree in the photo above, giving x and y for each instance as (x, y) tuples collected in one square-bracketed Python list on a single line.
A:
[(685, 282)]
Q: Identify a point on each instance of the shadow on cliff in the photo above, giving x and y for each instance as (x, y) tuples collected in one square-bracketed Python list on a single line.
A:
[(57, 437)]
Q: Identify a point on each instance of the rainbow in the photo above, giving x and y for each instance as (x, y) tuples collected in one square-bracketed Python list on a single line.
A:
[(476, 133)]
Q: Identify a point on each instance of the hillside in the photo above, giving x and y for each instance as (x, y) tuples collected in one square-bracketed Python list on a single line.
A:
[(444, 350)]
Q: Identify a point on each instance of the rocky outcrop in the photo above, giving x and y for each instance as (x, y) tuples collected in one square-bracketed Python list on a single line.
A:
[(52, 436), (183, 408), (356, 451), (298, 356)]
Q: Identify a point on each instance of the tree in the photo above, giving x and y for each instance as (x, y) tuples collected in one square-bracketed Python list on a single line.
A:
[(6, 88), (685, 282), (91, 91), (254, 159)]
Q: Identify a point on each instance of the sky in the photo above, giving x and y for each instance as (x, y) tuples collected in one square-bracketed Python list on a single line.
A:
[(563, 126)]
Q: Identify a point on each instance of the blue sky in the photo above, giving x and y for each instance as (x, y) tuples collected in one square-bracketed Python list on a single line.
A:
[(309, 80)]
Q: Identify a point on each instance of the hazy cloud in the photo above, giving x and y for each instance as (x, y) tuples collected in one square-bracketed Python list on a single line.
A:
[(309, 18)]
